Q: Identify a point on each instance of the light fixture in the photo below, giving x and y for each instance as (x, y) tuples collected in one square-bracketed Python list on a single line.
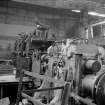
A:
[(76, 11), (96, 14), (90, 13)]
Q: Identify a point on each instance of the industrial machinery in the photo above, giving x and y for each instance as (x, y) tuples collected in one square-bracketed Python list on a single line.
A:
[(29, 47), (81, 65), (75, 62)]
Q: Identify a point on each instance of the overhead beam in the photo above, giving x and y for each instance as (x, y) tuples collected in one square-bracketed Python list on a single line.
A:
[(85, 4), (59, 3), (67, 4), (99, 23), (99, 1), (42, 11), (39, 2)]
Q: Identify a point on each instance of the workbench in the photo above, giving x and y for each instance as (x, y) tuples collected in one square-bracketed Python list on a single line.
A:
[(7, 80)]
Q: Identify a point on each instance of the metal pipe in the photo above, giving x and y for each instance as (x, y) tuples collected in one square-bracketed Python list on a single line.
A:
[(19, 88), (84, 100), (38, 90), (65, 96)]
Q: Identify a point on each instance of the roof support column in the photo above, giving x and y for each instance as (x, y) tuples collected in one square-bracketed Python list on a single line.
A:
[(83, 27)]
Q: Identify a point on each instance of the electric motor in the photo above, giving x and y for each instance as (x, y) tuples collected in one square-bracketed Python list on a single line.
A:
[(92, 66), (94, 85)]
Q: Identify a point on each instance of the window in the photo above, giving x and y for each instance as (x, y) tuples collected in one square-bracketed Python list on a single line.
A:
[(98, 29)]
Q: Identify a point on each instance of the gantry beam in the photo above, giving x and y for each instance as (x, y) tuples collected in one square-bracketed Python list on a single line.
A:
[(91, 5)]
